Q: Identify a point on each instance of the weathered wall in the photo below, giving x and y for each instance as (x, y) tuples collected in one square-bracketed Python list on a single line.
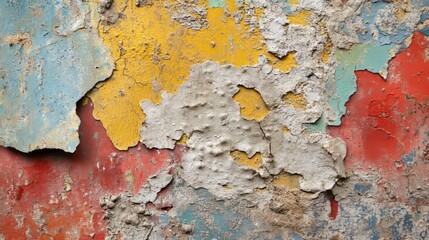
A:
[(219, 119)]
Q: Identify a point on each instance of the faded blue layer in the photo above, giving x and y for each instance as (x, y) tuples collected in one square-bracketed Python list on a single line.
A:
[(221, 222), (39, 87), (371, 16)]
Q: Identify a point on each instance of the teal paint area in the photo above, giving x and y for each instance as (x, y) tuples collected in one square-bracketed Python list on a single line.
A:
[(213, 219), (409, 159), (48, 62), (217, 3), (317, 127), (287, 8), (369, 56)]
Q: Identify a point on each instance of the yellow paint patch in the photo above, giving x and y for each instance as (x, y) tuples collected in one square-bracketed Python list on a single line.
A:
[(252, 105), (154, 53), (296, 100), (300, 18), (85, 101), (291, 181), (401, 14), (327, 50), (285, 64), (285, 130), (293, 2), (254, 162), (183, 140)]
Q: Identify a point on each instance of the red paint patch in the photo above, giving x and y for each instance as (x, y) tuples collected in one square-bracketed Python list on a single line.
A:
[(389, 118), (19, 193), (334, 208), (50, 193)]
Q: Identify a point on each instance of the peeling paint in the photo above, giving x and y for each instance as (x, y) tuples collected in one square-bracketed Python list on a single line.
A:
[(252, 106), (49, 61), (360, 57), (388, 118), (33, 184), (253, 162), (143, 73), (295, 100), (263, 119), (199, 111), (288, 180)]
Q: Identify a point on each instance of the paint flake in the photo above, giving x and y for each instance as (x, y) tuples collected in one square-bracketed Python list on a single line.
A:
[(48, 63)]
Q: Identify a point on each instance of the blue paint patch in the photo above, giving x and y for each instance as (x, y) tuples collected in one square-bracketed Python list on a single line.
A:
[(370, 30), (278, 238), (287, 8), (408, 159), (164, 219), (367, 218), (361, 188), (45, 72), (394, 230), (216, 222), (295, 236), (372, 225), (425, 31), (407, 223), (424, 16)]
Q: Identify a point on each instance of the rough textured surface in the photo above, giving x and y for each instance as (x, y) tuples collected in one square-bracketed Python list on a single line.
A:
[(150, 61), (261, 119), (55, 194), (49, 60), (205, 111)]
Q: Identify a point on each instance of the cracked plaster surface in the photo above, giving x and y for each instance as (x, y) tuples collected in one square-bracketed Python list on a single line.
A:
[(204, 110)]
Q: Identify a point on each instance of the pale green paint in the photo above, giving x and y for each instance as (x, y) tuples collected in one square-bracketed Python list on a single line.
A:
[(318, 126), (217, 3)]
